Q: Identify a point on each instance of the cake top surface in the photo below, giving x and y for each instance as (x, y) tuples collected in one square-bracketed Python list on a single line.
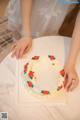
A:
[(44, 75)]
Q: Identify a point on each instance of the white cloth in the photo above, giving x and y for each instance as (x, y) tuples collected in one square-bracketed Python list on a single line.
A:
[(47, 16), (8, 65), (20, 104)]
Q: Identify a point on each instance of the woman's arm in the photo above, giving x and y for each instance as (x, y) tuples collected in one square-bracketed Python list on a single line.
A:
[(24, 44), (75, 48), (26, 16), (71, 77)]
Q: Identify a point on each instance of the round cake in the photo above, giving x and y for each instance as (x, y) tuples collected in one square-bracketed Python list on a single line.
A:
[(44, 75)]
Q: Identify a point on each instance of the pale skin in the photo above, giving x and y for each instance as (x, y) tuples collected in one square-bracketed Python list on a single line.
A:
[(71, 78)]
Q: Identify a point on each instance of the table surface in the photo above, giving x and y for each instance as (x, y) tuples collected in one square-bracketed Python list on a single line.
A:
[(32, 110)]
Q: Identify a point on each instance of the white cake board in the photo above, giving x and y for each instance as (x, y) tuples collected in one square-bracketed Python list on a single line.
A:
[(41, 46)]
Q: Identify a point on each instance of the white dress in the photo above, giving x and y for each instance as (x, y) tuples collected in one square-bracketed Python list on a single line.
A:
[(47, 16)]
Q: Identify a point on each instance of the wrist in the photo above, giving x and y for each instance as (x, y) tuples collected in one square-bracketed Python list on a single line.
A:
[(29, 34), (26, 34), (70, 64), (71, 61)]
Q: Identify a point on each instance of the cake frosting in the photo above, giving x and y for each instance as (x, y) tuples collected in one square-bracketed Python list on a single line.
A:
[(44, 75)]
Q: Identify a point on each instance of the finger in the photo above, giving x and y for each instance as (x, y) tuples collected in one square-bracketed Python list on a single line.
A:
[(68, 83), (21, 52), (74, 84), (65, 80), (68, 89), (13, 53), (24, 50), (13, 46), (17, 53), (28, 48)]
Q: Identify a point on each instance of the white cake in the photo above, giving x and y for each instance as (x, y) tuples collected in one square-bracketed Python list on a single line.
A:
[(43, 75)]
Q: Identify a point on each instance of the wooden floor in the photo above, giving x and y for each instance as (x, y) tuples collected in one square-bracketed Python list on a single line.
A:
[(3, 51), (3, 5)]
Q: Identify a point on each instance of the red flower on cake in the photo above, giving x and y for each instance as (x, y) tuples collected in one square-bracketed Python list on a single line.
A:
[(35, 57), (62, 73), (45, 92), (59, 88), (25, 67), (51, 57), (31, 74), (30, 84)]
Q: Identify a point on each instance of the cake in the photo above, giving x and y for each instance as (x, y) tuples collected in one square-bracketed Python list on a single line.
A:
[(44, 75)]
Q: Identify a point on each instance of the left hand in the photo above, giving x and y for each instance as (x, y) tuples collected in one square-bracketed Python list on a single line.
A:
[(21, 47), (71, 79)]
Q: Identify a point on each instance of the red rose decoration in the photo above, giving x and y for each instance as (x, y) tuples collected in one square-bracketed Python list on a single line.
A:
[(26, 65), (45, 92), (51, 57), (35, 58), (31, 74), (25, 68), (59, 88), (62, 72), (30, 84)]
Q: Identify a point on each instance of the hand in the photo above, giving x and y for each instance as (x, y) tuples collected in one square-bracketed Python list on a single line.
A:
[(71, 79), (21, 46)]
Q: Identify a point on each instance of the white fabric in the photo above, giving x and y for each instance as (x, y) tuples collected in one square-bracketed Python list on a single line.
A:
[(8, 65), (47, 16), (22, 105)]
